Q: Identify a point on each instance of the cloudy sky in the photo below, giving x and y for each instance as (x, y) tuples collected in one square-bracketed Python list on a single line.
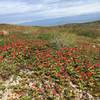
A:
[(35, 11)]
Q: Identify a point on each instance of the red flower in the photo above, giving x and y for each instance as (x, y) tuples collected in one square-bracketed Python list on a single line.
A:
[(69, 53), (18, 50), (1, 58), (48, 55), (58, 74), (62, 69), (77, 61), (33, 85), (98, 65), (13, 45), (46, 86), (64, 58), (54, 92), (73, 49), (78, 69), (8, 46), (88, 66), (83, 76), (58, 63), (14, 54), (89, 74), (40, 90), (64, 48), (59, 53), (5, 47)]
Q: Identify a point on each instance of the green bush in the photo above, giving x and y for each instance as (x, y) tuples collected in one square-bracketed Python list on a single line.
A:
[(45, 36)]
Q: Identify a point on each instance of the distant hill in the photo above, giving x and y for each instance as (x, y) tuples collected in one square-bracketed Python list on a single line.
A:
[(63, 20), (90, 29)]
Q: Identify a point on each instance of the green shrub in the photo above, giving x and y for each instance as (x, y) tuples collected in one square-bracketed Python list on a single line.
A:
[(45, 36)]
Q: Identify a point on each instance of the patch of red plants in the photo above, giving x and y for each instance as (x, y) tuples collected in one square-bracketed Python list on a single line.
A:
[(59, 60)]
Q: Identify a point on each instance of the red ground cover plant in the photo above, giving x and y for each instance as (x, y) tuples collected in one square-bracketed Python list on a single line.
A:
[(57, 59)]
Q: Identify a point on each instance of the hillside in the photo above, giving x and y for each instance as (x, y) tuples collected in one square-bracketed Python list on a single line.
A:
[(50, 63), (88, 29)]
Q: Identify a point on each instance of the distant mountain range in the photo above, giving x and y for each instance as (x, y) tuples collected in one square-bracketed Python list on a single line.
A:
[(64, 20)]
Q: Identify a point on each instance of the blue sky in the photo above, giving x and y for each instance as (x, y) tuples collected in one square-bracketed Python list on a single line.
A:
[(26, 11)]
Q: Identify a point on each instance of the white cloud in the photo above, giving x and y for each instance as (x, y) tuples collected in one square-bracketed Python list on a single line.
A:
[(20, 10), (72, 11), (17, 7)]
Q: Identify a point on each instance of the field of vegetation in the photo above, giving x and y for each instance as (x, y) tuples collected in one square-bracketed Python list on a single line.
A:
[(50, 63)]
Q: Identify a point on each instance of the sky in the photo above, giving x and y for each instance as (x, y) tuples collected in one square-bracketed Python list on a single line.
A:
[(48, 11)]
